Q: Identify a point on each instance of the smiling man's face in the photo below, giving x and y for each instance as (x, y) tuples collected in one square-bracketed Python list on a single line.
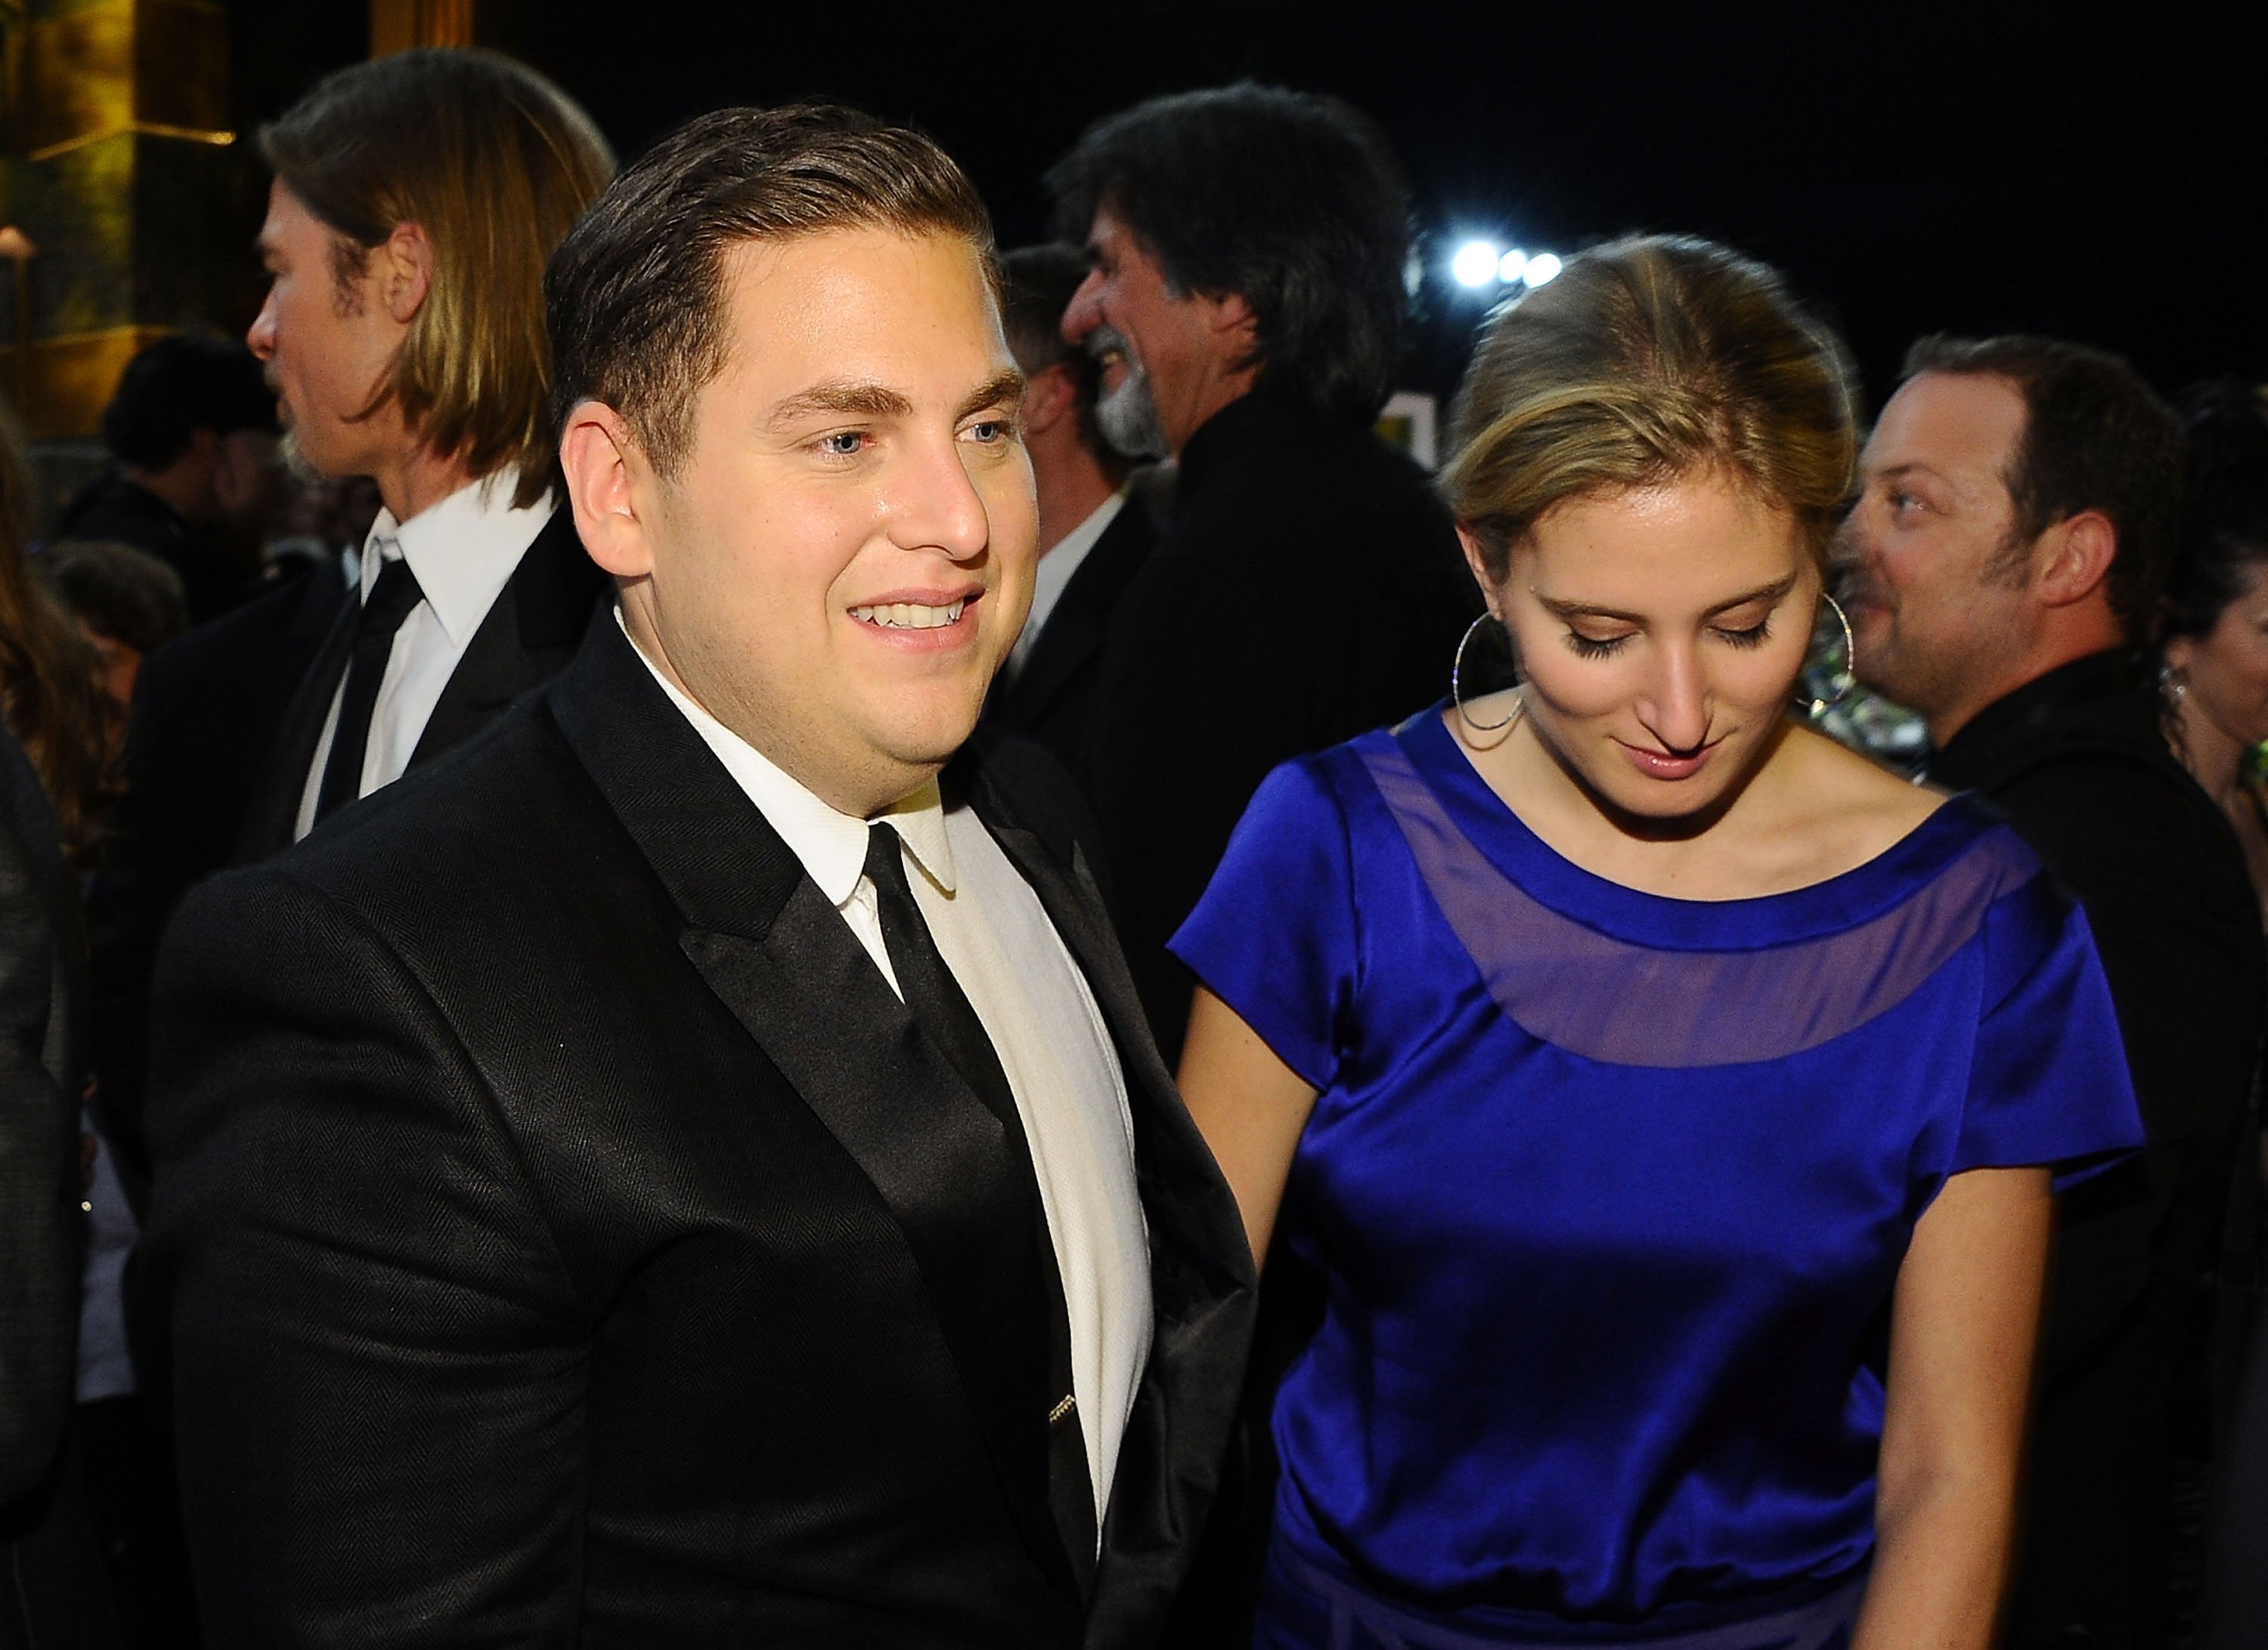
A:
[(1162, 354), (845, 553), (1935, 569)]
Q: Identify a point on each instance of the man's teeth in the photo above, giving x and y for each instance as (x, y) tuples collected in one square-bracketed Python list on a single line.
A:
[(910, 615)]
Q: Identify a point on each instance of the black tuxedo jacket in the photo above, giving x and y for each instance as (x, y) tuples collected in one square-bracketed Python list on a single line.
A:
[(571, 1240), (225, 723), (1051, 697)]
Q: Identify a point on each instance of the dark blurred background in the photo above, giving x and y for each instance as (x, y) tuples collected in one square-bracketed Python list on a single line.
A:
[(1973, 169)]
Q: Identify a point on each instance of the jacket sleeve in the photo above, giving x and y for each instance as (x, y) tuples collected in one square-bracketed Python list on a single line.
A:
[(41, 1234), (377, 1352)]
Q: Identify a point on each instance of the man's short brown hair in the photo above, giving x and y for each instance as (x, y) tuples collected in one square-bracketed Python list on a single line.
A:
[(639, 319), (495, 163), (2096, 437)]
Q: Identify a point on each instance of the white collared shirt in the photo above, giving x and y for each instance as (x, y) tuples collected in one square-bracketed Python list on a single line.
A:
[(1055, 571), (1046, 1028), (463, 551)]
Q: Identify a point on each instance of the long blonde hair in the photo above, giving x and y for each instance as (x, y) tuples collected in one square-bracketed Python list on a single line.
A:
[(1646, 360), (496, 164)]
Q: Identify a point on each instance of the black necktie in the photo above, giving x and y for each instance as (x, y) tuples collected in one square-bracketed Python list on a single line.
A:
[(943, 1011), (391, 601)]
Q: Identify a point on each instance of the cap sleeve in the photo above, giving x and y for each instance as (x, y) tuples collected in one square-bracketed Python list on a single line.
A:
[(1274, 937), (2049, 1083)]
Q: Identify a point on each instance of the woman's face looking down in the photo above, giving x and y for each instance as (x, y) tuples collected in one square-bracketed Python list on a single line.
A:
[(1660, 631)]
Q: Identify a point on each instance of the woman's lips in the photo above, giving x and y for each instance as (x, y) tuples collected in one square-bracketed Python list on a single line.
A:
[(1660, 764)]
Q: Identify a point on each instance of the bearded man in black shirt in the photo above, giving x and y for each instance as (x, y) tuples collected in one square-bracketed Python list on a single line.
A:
[(2019, 505)]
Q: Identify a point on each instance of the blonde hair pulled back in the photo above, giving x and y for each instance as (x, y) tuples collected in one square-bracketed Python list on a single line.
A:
[(1648, 359)]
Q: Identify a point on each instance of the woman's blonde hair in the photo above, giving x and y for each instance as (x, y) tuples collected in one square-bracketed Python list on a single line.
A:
[(1647, 359), (495, 163)]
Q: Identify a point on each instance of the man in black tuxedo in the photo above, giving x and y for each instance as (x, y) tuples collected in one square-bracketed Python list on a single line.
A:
[(2008, 553), (1096, 528), (689, 1167), (415, 201), (1245, 301)]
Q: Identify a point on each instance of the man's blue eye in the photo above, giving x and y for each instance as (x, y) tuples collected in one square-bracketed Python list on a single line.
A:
[(845, 446)]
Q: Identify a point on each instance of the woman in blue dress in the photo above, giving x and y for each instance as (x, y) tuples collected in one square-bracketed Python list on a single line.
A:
[(1668, 1098)]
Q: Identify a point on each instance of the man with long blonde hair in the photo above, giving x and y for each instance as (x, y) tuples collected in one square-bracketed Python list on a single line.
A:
[(415, 200)]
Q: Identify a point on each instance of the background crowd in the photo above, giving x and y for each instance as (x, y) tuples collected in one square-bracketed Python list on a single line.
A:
[(2052, 564)]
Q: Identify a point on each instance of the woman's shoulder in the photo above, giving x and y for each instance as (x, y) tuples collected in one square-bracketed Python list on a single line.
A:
[(1846, 810)]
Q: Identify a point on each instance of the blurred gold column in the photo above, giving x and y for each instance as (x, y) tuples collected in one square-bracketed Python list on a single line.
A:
[(397, 24), (115, 172)]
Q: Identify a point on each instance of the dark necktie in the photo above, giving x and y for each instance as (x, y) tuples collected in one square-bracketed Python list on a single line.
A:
[(391, 601), (943, 1011)]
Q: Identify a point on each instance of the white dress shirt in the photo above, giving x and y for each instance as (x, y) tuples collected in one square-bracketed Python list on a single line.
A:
[(463, 551), (1056, 1051), (1055, 571)]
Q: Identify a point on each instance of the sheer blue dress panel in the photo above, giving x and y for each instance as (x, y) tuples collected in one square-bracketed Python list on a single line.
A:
[(1600, 1338)]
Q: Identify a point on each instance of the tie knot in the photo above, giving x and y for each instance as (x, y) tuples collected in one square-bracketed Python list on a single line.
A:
[(392, 598), (886, 865)]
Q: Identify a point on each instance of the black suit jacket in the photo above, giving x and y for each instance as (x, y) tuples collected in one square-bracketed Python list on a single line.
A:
[(571, 1239), (1051, 701), (225, 723), (531, 631), (2076, 761), (1308, 587), (51, 1591)]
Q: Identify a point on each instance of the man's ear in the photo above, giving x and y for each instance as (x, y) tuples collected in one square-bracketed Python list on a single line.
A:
[(607, 483), (404, 269), (2075, 558), (1049, 396), (1231, 313)]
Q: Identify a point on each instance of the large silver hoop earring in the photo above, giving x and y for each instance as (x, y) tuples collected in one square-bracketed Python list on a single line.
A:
[(1847, 680), (1457, 691)]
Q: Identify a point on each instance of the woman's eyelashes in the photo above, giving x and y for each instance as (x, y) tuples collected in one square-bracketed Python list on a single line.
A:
[(1604, 646)]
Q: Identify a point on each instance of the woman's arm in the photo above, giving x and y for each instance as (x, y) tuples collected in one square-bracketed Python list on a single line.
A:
[(1963, 1328), (1249, 1106)]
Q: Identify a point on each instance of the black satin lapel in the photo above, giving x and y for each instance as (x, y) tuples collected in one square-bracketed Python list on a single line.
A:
[(812, 1000), (274, 808), (1074, 904)]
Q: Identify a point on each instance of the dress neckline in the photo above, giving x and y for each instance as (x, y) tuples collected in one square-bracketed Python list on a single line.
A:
[(1829, 906)]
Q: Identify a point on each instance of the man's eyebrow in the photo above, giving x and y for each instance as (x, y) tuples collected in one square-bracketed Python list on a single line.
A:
[(863, 399), (1772, 591), (1002, 389), (1913, 467)]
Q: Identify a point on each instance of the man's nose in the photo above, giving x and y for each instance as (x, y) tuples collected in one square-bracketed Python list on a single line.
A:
[(1084, 314), (261, 335), (938, 506)]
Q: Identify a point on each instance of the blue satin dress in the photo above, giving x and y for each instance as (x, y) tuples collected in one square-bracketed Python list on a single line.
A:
[(1609, 1192)]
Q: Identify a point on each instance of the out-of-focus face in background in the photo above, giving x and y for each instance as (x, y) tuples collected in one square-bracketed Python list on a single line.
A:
[(2224, 670), (1935, 572), (1156, 346)]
